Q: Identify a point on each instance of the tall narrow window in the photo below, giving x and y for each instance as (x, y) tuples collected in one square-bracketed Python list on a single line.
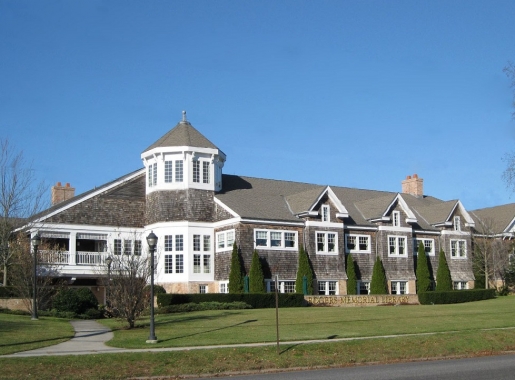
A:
[(137, 247), (117, 246), (207, 263), (196, 171), (168, 242), (179, 243), (178, 170), (396, 216), (196, 263), (150, 176), (168, 171), (154, 175), (205, 172), (168, 264), (196, 243), (325, 213), (457, 223), (179, 263), (127, 247), (207, 242)]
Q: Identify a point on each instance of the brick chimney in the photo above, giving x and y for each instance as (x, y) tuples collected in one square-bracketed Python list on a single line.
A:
[(413, 185), (62, 193)]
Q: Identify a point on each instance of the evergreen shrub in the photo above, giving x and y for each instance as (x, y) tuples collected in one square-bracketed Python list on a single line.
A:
[(422, 272), (256, 277), (256, 300), (8, 292), (455, 296), (352, 281), (378, 284), (236, 272), (443, 274), (74, 300), (304, 269)]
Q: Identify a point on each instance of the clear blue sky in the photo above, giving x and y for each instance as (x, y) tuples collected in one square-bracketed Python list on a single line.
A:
[(345, 93)]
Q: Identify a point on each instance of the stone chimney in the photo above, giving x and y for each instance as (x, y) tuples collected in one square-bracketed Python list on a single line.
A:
[(413, 185), (62, 193)]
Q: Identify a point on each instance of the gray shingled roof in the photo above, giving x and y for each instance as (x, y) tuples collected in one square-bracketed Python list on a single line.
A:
[(375, 207), (497, 218), (303, 201), (183, 134), (434, 213)]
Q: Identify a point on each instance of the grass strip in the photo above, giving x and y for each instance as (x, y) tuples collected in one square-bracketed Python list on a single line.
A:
[(174, 365)]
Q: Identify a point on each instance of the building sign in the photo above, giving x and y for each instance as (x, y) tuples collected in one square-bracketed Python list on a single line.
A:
[(365, 300)]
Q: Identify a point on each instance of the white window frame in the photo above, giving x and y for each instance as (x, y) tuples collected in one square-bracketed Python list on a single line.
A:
[(168, 171), (398, 238), (424, 241), (396, 287), (206, 175), (195, 175), (457, 223), (228, 240), (460, 285), (223, 287), (282, 239), (326, 213), (203, 288), (366, 286), (283, 284), (456, 251), (326, 251), (396, 218), (357, 249), (179, 171), (327, 285)]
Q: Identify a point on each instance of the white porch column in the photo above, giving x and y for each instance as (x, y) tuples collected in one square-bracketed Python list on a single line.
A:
[(73, 248)]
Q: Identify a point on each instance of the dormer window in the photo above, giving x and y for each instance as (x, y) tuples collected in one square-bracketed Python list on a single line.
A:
[(457, 223), (325, 213), (396, 218)]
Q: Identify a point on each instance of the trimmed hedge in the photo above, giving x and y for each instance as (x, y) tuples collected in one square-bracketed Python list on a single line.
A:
[(187, 307), (455, 296), (8, 292), (257, 300)]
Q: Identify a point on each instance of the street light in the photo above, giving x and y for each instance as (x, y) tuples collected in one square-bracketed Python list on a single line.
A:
[(152, 242), (36, 240), (109, 261)]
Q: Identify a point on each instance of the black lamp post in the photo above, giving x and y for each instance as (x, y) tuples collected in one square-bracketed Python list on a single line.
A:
[(152, 242), (36, 240), (109, 261)]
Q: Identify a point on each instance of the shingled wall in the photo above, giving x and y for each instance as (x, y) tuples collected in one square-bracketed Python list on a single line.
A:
[(175, 205)]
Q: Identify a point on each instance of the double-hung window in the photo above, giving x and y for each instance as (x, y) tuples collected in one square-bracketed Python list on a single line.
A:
[(397, 246), (168, 171), (196, 171), (327, 288), (178, 256), (357, 243), (399, 287), (275, 239), (458, 249), (224, 240), (152, 174), (429, 246), (178, 170), (117, 247), (460, 285), (205, 172), (327, 243)]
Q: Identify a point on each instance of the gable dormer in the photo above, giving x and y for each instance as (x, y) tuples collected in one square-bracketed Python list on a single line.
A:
[(183, 159)]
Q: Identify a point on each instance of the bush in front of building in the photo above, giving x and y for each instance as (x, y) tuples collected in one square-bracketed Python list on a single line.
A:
[(455, 296), (187, 307), (424, 281), (77, 301), (352, 281), (304, 269), (236, 272), (256, 277), (256, 300), (443, 274), (378, 284)]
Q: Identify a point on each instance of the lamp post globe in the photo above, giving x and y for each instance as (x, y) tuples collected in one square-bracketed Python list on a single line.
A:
[(152, 242)]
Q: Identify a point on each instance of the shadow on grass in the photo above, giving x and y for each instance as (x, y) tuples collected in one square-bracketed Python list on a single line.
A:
[(289, 348), (36, 341), (208, 331)]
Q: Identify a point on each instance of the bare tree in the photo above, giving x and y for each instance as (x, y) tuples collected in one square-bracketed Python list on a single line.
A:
[(20, 197), (509, 70), (22, 271), (491, 253), (126, 279)]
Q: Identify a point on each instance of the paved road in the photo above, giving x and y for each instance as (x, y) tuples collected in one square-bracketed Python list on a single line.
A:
[(484, 368)]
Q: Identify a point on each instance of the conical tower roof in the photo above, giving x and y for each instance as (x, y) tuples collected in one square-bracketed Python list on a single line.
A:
[(183, 134)]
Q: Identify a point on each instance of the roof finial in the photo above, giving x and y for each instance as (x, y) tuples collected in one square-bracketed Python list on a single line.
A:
[(184, 116)]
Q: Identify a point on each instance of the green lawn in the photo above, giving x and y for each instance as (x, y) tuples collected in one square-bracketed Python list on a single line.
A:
[(20, 333), (248, 326), (462, 334)]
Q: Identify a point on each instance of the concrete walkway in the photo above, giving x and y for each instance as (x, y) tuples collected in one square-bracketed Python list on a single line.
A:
[(90, 338)]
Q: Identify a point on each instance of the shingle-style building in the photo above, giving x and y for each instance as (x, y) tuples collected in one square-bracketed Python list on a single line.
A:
[(197, 213)]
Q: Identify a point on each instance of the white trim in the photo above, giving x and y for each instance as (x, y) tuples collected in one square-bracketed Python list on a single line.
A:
[(225, 207), (397, 238), (415, 246), (358, 251), (313, 223), (326, 243), (398, 198), (273, 222), (333, 198), (302, 214), (268, 245), (395, 229), (89, 196), (227, 246), (361, 228), (450, 249), (426, 232), (457, 233), (325, 211)]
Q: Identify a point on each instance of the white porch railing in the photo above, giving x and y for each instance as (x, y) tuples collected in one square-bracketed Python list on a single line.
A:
[(54, 257), (90, 258)]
